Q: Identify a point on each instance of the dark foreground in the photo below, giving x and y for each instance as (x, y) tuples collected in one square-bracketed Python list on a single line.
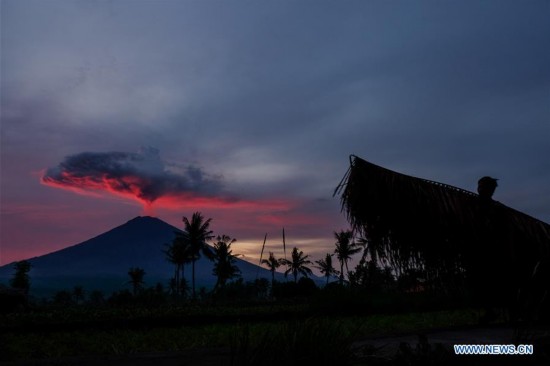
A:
[(427, 348)]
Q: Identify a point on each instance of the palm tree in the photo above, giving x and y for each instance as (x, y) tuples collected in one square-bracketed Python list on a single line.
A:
[(224, 260), (179, 253), (325, 266), (272, 263), (136, 278), (374, 249), (345, 248), (298, 264), (197, 235)]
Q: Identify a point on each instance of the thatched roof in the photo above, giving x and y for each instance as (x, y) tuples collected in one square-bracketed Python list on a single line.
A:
[(437, 227)]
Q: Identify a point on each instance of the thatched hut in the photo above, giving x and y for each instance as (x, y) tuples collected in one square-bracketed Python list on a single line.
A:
[(458, 239)]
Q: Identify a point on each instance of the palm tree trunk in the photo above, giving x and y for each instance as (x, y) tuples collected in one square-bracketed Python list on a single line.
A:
[(272, 281), (341, 272), (178, 281), (182, 280), (193, 278)]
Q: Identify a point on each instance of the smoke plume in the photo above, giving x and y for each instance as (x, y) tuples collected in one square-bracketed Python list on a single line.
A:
[(143, 175)]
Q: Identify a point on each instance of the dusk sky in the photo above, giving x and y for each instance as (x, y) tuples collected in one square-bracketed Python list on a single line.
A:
[(248, 111)]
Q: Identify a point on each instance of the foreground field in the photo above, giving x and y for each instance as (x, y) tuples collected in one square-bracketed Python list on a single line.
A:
[(293, 333), (88, 332)]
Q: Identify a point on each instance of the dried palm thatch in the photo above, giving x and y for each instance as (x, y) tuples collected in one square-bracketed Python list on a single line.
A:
[(451, 234)]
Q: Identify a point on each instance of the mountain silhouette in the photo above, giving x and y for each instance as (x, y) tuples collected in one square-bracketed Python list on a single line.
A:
[(102, 262)]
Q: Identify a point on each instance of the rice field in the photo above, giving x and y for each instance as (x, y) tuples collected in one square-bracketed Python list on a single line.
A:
[(245, 332)]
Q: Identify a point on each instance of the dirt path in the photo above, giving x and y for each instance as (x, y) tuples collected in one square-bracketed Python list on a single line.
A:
[(447, 338), (386, 348)]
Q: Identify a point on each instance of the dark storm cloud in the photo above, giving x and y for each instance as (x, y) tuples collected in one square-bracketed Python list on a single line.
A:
[(143, 175), (275, 95), (370, 80)]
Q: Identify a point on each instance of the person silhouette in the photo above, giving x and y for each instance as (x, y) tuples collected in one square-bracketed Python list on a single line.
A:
[(492, 269), (486, 187)]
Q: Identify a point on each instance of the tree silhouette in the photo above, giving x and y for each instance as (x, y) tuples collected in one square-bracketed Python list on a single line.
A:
[(136, 278), (181, 288), (326, 267), (198, 234), (297, 264), (20, 280), (63, 297), (224, 260), (179, 253), (345, 249), (78, 294), (373, 249), (272, 263), (96, 298)]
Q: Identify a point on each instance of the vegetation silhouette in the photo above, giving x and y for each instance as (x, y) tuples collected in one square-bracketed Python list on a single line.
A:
[(326, 267), (198, 234), (345, 249), (369, 276), (298, 264), (11, 300), (78, 294), (136, 279), (272, 263), (309, 341), (372, 250), (224, 261), (21, 280), (460, 241), (179, 253)]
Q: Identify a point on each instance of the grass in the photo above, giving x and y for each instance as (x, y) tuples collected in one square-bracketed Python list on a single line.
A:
[(116, 342), (313, 341), (79, 316), (247, 341)]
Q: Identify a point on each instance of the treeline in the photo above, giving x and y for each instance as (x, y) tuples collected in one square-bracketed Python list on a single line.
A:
[(373, 275)]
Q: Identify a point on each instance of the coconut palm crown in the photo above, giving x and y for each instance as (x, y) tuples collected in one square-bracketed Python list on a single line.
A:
[(345, 249), (298, 264), (198, 233), (326, 267), (272, 263), (224, 260)]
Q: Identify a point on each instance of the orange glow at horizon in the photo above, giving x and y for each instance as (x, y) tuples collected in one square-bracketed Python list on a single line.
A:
[(244, 218)]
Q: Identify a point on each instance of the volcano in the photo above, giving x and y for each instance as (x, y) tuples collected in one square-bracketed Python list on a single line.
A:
[(102, 263)]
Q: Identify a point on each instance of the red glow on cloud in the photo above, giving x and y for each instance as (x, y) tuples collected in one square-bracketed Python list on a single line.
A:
[(133, 187), (92, 187), (75, 189), (141, 176), (265, 212), (245, 215), (145, 179)]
